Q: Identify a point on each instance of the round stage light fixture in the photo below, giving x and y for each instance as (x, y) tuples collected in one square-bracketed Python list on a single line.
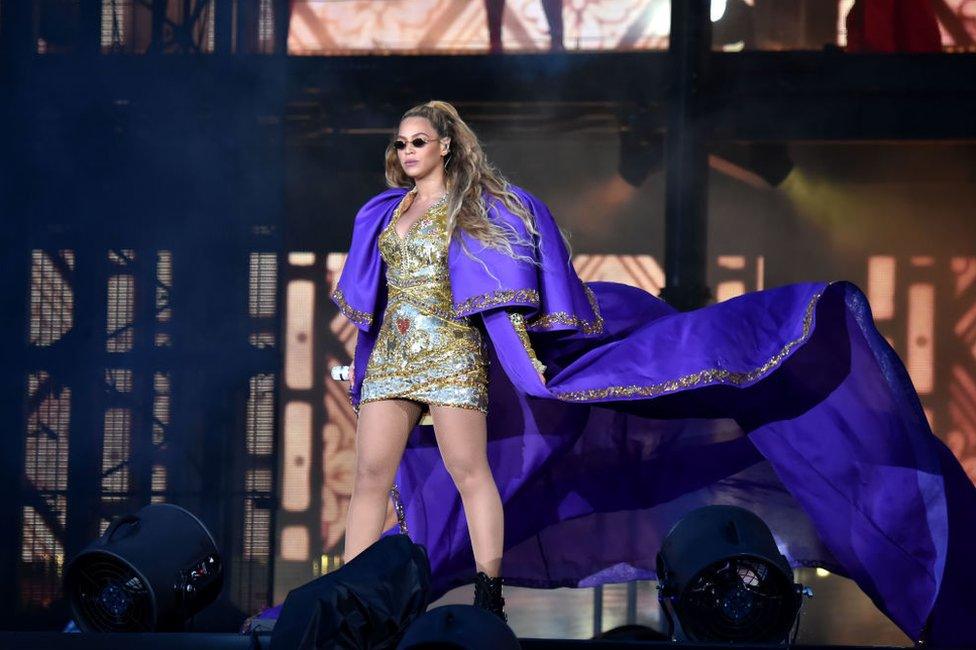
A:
[(149, 571), (722, 579)]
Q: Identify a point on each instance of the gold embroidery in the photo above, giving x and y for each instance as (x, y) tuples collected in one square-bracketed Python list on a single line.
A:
[(593, 327), (709, 375), (547, 321), (398, 508), (495, 298), (420, 293), (347, 310), (518, 321)]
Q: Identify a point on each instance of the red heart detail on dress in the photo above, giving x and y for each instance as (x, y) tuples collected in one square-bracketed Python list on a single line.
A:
[(403, 324)]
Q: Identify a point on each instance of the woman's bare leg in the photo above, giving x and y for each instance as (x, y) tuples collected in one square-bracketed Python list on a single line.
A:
[(462, 436), (381, 436)]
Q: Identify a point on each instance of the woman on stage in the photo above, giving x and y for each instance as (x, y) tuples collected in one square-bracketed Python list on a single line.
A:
[(596, 416), (426, 358)]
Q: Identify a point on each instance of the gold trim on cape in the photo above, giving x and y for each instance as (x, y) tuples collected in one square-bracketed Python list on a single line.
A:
[(347, 310), (540, 323), (528, 297), (709, 375), (548, 321)]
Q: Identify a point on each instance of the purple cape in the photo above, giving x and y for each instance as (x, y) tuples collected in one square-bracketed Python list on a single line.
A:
[(787, 402)]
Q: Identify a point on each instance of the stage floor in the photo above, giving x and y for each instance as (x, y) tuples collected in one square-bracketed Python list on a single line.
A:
[(838, 614)]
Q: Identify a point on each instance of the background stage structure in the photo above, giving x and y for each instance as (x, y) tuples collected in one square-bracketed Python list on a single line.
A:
[(179, 183)]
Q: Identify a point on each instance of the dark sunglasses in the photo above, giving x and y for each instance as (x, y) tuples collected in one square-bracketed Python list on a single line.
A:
[(419, 143)]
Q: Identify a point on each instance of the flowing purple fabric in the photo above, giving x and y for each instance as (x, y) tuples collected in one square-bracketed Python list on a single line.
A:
[(787, 402)]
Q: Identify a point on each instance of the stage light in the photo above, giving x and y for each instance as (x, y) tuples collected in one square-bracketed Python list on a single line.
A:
[(770, 161), (717, 9), (150, 571), (722, 579), (641, 147), (459, 626), (733, 26)]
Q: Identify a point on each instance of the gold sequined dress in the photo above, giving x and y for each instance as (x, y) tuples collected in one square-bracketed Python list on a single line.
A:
[(423, 352)]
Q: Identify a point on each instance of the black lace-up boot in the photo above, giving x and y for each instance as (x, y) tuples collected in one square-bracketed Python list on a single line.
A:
[(488, 594)]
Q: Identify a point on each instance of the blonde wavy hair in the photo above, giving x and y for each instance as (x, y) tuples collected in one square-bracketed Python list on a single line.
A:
[(469, 178)]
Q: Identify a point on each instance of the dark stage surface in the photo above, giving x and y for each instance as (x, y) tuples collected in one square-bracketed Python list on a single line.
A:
[(24, 640)]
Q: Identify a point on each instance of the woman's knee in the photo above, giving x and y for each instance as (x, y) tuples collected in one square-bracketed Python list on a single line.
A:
[(373, 476), (380, 438), (468, 473)]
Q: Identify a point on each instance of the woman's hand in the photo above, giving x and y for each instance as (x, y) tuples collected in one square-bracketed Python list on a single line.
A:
[(542, 378)]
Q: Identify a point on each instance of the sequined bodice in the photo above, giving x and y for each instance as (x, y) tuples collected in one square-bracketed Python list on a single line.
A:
[(416, 264)]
